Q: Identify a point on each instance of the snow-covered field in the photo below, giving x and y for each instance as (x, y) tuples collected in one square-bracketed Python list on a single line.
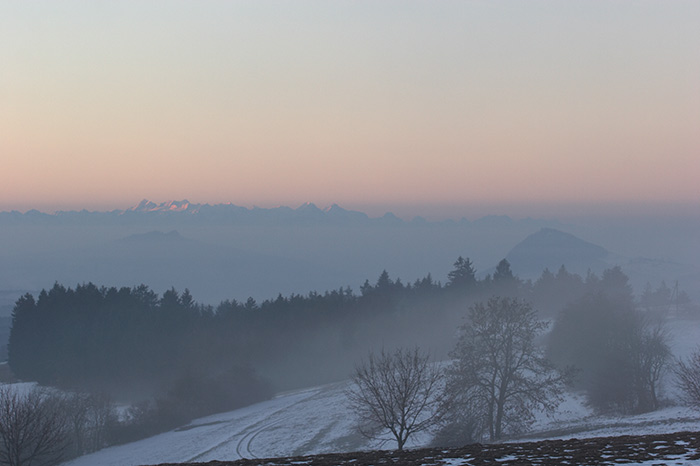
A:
[(317, 420), (303, 422)]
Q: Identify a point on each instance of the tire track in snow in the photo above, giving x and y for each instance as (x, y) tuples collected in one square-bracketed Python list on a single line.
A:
[(251, 436), (251, 431), (290, 417)]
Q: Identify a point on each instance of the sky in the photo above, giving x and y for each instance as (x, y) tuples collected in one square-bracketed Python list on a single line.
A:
[(394, 105)]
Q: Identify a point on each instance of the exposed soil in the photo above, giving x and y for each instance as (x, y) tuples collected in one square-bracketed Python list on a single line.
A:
[(663, 449)]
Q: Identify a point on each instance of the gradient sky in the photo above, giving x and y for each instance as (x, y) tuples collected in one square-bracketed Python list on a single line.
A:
[(363, 103)]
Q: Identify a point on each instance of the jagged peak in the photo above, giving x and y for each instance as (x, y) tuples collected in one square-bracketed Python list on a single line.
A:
[(308, 206), (169, 206), (176, 206), (334, 208), (144, 205)]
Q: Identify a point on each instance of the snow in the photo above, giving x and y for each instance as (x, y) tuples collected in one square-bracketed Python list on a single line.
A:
[(317, 421), (303, 422), (457, 462), (576, 420)]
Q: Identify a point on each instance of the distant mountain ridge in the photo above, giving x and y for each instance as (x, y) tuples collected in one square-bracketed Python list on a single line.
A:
[(307, 209), (186, 212)]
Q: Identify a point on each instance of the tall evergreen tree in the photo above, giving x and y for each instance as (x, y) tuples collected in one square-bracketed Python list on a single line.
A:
[(463, 276)]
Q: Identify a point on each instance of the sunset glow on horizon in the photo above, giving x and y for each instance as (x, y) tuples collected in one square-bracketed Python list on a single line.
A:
[(356, 103)]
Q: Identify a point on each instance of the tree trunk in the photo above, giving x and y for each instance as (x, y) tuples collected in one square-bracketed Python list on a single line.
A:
[(499, 422)]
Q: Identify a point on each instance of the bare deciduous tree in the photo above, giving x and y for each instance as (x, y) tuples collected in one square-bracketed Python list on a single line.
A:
[(688, 379), (396, 392), (652, 354), (88, 418), (32, 428), (498, 373)]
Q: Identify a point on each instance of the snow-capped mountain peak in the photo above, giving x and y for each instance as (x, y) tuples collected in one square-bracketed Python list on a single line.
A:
[(169, 206), (144, 206)]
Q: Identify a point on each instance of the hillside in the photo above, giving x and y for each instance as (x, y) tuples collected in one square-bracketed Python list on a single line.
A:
[(316, 421)]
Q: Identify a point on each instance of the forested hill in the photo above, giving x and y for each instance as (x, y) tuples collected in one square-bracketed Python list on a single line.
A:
[(118, 339)]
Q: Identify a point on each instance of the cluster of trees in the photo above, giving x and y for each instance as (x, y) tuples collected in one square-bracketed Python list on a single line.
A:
[(101, 338), (497, 379), (75, 337), (499, 376), (619, 351), (665, 300), (602, 341), (42, 427)]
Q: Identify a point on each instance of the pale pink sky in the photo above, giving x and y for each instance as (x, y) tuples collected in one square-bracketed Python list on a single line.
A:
[(361, 103)]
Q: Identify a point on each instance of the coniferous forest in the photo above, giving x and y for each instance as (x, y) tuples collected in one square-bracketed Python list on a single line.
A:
[(135, 344)]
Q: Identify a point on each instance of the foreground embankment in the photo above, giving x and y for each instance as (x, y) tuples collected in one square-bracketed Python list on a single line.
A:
[(681, 448)]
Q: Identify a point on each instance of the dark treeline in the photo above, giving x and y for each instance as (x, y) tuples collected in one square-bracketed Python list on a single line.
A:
[(136, 344), (133, 338)]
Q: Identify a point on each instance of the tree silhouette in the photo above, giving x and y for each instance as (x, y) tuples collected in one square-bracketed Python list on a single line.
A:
[(463, 275), (396, 392), (33, 429), (498, 371)]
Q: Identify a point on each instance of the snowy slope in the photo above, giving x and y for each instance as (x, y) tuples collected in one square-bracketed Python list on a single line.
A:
[(317, 420), (307, 421)]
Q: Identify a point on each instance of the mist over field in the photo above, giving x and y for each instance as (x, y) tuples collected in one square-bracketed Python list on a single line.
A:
[(229, 252)]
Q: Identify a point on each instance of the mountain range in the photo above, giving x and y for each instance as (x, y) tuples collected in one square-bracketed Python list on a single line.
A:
[(185, 212)]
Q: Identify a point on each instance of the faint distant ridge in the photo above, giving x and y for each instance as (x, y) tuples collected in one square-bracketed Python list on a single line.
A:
[(551, 248), (184, 212), (233, 214)]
